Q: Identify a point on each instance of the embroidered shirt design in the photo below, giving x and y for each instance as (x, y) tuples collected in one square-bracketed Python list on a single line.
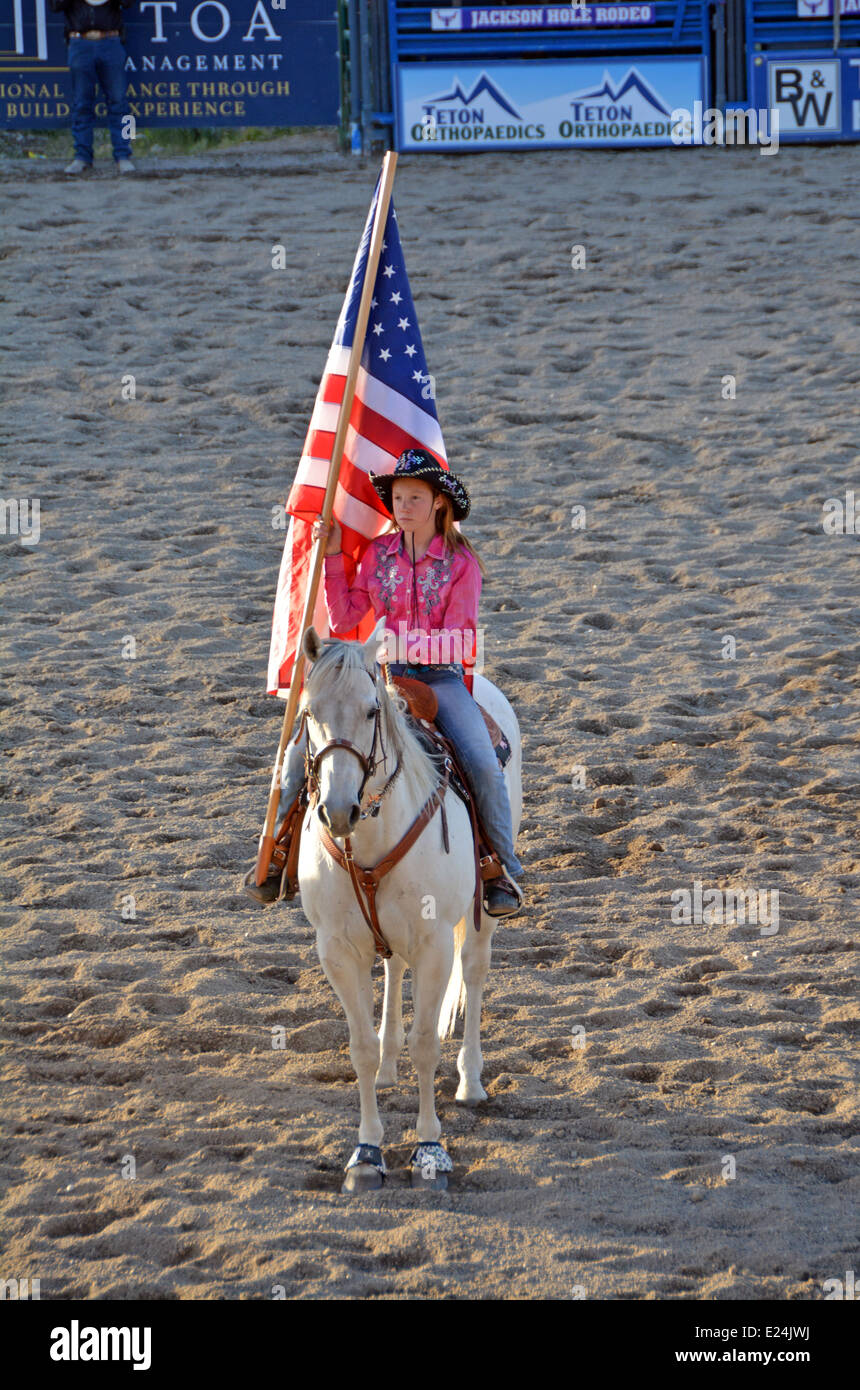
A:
[(446, 588), (431, 583), (387, 578)]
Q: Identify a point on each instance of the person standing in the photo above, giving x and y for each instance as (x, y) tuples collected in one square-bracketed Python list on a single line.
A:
[(94, 32)]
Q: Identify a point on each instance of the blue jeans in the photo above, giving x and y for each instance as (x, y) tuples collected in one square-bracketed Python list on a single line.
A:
[(102, 60), (460, 720)]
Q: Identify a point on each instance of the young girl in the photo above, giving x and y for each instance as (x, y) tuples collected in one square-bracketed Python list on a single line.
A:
[(425, 579)]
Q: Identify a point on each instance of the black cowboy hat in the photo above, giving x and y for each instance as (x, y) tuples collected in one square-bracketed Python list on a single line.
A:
[(418, 463)]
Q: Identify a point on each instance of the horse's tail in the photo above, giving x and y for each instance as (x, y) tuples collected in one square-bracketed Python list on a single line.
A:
[(455, 994)]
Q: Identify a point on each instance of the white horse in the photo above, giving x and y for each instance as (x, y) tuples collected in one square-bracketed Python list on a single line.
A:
[(424, 904)]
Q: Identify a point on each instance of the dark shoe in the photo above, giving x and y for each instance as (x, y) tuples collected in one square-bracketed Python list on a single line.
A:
[(276, 888), (265, 893), (502, 898)]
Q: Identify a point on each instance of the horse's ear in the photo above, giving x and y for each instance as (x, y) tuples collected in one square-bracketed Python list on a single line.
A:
[(374, 648), (311, 644)]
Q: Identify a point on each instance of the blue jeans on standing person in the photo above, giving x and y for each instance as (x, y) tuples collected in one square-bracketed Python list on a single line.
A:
[(102, 60), (460, 720)]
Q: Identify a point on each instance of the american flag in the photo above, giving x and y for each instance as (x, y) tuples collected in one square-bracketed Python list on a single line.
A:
[(394, 409)]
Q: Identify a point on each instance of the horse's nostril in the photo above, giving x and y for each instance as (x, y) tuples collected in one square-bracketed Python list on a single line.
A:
[(354, 814)]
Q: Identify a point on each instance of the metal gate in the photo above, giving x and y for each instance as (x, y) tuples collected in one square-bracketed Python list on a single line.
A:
[(367, 104)]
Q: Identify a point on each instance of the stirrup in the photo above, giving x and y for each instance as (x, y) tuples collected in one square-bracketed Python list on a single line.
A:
[(512, 883), (264, 893), (504, 881)]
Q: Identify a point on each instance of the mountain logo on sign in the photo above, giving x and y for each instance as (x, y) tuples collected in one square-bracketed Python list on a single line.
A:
[(823, 9), (482, 88), (446, 19), (632, 99)]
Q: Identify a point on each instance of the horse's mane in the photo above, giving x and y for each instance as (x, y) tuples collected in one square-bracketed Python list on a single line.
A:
[(334, 670)]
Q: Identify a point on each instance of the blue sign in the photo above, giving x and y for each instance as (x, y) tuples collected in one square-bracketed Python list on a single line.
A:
[(190, 63), (457, 107), (814, 95), (543, 17)]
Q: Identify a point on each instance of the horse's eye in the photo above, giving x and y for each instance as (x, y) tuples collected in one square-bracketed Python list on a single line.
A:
[(371, 713)]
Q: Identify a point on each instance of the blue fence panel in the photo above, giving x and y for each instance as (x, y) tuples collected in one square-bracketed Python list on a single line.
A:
[(806, 66), (557, 86), (776, 24), (190, 63), (679, 26)]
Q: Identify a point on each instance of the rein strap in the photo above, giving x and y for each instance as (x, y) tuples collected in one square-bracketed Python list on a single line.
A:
[(365, 881)]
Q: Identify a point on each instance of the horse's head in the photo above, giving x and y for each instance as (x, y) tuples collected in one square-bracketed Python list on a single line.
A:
[(343, 706)]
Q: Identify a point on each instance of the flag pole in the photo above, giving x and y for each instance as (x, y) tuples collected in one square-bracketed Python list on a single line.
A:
[(267, 838)]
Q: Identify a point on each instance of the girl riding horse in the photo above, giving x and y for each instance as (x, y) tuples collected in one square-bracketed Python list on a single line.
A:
[(423, 576)]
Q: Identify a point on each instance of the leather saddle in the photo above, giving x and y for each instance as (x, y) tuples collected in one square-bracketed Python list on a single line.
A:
[(423, 707)]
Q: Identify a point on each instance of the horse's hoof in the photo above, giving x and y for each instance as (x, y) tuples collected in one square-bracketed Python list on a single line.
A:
[(363, 1177), (426, 1183), (430, 1165), (365, 1171), (471, 1097)]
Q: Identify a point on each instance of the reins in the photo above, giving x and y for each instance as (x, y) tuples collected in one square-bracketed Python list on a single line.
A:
[(365, 880)]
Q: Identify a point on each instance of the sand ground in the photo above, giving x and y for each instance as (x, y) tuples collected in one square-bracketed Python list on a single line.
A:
[(600, 1168)]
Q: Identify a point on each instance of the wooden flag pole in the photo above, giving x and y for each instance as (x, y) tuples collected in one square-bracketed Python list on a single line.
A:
[(267, 838)]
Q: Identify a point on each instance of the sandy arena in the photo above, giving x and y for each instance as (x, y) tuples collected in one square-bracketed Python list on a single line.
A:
[(598, 1170)]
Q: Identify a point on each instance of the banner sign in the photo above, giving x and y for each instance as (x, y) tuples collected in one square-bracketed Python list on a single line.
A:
[(823, 9), (816, 95), (544, 17), (189, 63), (575, 103)]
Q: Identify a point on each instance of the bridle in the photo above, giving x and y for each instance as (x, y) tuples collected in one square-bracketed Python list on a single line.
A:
[(365, 880), (369, 761)]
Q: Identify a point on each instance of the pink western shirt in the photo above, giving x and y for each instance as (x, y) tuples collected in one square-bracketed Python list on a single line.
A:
[(448, 587)]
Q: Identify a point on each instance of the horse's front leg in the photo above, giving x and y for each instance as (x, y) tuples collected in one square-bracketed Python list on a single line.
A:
[(349, 976), (430, 972), (476, 962), (391, 1035)]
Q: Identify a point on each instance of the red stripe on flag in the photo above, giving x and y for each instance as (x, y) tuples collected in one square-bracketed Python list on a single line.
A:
[(385, 433), (306, 499), (302, 550), (332, 388), (353, 480), (382, 432)]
